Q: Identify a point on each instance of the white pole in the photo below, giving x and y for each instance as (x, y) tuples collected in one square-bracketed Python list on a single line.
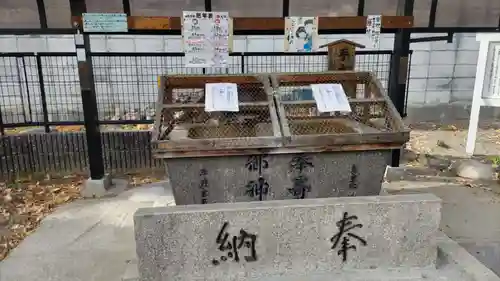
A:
[(477, 96)]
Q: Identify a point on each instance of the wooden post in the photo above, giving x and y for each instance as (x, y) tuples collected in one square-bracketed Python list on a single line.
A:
[(342, 56)]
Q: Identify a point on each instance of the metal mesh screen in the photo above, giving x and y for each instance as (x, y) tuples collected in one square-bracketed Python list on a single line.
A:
[(62, 88), (127, 83), (373, 61), (20, 99), (184, 117), (369, 107)]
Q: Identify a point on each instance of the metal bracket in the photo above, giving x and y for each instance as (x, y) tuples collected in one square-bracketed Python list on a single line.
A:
[(448, 38)]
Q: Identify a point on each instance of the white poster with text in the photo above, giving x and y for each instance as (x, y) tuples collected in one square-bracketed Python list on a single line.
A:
[(206, 38)]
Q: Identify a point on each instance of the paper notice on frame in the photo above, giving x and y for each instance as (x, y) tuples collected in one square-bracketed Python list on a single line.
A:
[(494, 75), (206, 38), (301, 34), (373, 27), (330, 98), (221, 97), (105, 22)]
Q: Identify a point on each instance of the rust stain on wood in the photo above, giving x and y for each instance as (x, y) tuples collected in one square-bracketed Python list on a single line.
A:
[(259, 24), (360, 22), (199, 81), (149, 23), (298, 79), (161, 153)]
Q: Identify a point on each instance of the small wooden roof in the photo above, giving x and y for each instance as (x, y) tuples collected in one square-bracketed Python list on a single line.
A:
[(343, 41)]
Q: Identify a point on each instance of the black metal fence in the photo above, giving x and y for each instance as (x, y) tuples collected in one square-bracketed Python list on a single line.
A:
[(41, 90)]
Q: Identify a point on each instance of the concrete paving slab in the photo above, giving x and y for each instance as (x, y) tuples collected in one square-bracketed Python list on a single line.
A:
[(87, 240), (469, 216)]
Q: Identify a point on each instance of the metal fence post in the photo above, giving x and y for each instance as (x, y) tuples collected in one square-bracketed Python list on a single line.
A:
[(43, 94), (361, 8), (126, 7), (242, 63), (399, 67), (2, 130), (89, 103), (89, 100), (42, 13)]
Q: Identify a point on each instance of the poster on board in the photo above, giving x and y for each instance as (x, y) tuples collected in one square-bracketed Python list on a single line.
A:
[(301, 34), (206, 38), (487, 83), (494, 74), (373, 28)]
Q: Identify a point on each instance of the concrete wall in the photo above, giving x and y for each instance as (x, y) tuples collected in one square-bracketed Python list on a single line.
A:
[(442, 74)]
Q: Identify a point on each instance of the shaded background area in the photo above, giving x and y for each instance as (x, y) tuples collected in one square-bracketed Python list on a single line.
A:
[(450, 13)]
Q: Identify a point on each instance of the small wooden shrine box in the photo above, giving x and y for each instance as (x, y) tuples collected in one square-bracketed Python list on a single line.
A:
[(342, 57), (341, 54)]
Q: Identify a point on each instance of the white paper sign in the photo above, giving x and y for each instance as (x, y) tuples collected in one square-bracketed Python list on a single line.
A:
[(487, 83), (494, 75), (221, 97), (330, 98), (206, 38), (80, 54), (373, 26)]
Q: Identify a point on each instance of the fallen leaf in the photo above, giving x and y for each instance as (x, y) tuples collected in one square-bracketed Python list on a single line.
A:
[(23, 205), (69, 128), (143, 127), (450, 128)]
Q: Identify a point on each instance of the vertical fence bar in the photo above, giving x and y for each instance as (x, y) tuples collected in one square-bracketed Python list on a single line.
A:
[(208, 8), (407, 85), (399, 67), (43, 94), (361, 7), (2, 130), (27, 85), (126, 7), (432, 14), (208, 5), (286, 8), (21, 91), (42, 14), (242, 63)]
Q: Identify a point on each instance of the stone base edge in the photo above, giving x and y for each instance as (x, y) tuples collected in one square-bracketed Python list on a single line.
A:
[(96, 188), (453, 253)]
